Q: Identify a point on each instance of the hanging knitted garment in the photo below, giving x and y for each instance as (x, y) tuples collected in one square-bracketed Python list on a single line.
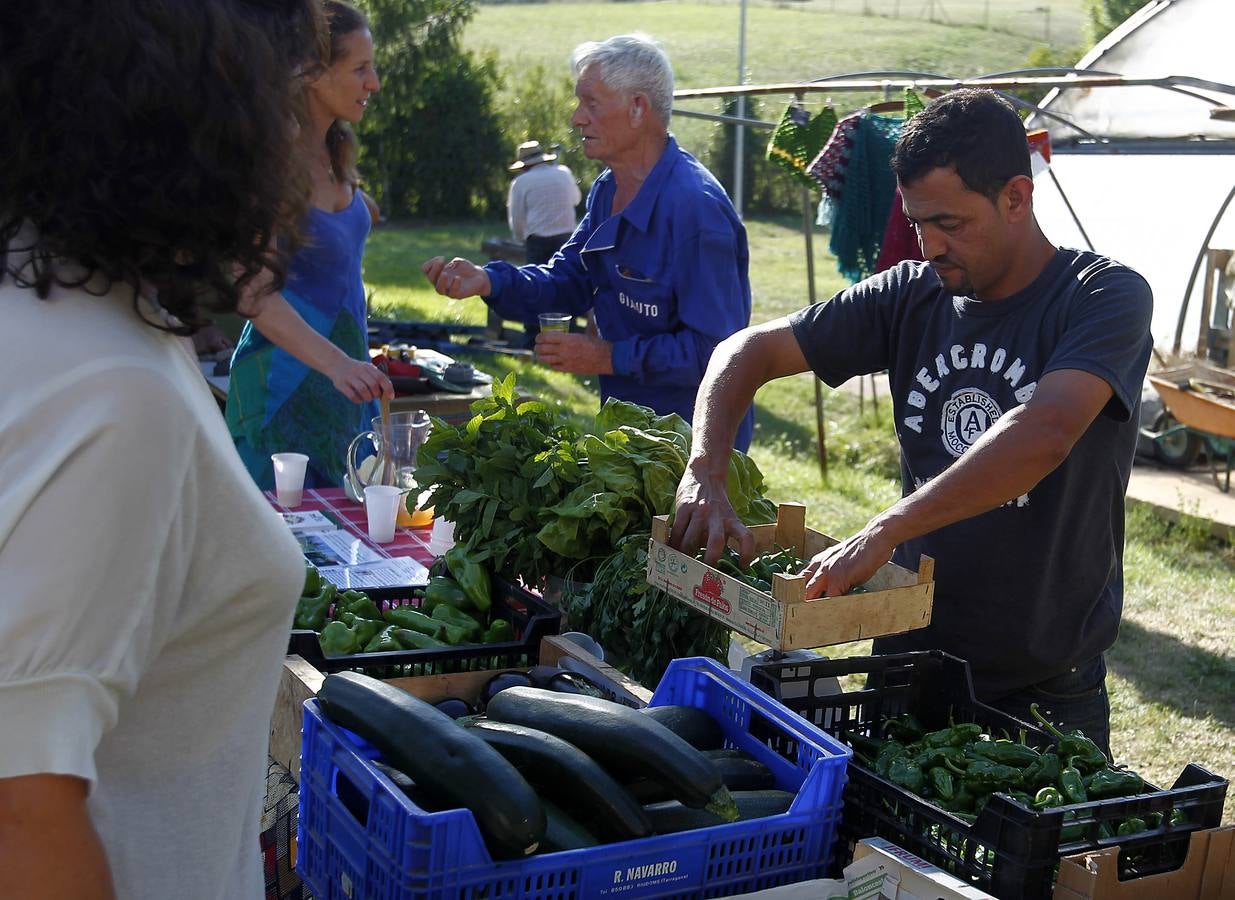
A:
[(858, 182), (798, 139), (900, 240)]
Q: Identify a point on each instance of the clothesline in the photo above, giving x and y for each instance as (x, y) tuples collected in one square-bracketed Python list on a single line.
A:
[(998, 82)]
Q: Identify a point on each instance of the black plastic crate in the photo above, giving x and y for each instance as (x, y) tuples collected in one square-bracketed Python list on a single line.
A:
[(531, 617), (1010, 851)]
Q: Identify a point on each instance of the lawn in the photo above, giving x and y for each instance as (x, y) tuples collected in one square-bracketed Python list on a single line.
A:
[(785, 41), (1172, 676)]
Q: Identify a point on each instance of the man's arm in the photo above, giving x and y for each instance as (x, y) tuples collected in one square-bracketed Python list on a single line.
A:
[(516, 216), (48, 845), (740, 365), (1021, 449), (358, 380)]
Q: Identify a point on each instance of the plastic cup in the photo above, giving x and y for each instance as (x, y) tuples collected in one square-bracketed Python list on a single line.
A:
[(289, 477), (442, 538), (381, 504), (556, 322)]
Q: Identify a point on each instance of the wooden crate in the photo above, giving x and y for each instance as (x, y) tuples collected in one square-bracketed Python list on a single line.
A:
[(896, 599), (300, 681)]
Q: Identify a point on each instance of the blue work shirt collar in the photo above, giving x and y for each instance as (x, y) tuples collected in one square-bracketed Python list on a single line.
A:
[(639, 211)]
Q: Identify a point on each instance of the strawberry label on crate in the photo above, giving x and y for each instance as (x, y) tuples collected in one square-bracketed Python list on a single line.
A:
[(714, 595)]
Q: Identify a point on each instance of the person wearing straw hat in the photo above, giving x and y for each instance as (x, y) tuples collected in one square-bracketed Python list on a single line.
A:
[(660, 257), (540, 209)]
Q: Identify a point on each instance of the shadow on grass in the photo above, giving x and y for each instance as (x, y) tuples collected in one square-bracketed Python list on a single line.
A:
[(773, 429), (1165, 669)]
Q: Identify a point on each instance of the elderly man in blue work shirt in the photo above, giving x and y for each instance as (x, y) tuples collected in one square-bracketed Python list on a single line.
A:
[(660, 257)]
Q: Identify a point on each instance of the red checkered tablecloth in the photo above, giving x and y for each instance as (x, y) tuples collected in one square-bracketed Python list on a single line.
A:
[(413, 542)]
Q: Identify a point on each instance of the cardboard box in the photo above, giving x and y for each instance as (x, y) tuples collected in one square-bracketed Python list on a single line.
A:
[(896, 600), (908, 877), (299, 681), (880, 871), (1208, 873)]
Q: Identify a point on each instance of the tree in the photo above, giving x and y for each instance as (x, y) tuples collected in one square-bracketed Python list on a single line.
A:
[(431, 144), (1106, 15)]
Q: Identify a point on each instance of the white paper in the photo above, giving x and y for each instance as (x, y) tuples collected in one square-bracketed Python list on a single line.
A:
[(336, 548), (397, 571)]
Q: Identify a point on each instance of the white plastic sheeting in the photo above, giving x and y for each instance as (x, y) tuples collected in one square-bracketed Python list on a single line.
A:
[(1165, 37), (1150, 212)]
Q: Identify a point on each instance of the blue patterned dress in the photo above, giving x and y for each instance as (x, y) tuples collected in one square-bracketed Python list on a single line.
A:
[(275, 403)]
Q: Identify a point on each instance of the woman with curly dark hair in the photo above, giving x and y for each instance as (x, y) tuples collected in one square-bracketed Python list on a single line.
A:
[(149, 586), (301, 378)]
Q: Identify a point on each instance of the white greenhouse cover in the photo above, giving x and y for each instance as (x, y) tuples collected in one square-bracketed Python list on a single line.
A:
[(1165, 37)]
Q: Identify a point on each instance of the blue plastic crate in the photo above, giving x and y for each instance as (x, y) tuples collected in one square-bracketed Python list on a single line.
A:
[(363, 839)]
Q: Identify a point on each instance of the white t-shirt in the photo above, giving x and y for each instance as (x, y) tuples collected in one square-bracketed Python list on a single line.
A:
[(148, 590), (542, 201)]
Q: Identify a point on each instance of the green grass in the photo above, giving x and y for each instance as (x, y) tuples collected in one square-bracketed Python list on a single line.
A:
[(785, 41), (1172, 673)]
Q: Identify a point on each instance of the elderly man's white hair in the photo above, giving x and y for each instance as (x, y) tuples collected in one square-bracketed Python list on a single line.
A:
[(630, 63)]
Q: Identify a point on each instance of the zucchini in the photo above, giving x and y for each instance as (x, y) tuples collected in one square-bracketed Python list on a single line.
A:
[(562, 832), (619, 738), (414, 792), (739, 773), (449, 762), (727, 753), (691, 724), (671, 816), (569, 777)]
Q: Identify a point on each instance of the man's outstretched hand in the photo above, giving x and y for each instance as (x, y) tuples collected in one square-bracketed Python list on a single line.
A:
[(704, 517), (458, 278)]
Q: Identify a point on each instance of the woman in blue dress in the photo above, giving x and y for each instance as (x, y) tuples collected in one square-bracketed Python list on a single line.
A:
[(301, 379)]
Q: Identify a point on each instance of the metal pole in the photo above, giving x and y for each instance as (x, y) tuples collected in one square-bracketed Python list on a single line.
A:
[(1196, 267), (821, 435), (739, 135)]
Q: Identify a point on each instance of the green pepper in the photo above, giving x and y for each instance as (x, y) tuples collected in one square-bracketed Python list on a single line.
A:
[(984, 775), (337, 639), (1007, 753), (383, 642), (942, 783), (438, 567), (1078, 750), (941, 756), (865, 748), (1112, 782), (956, 736), (902, 771), (1131, 825), (888, 752), (1071, 831), (1043, 771), (443, 590), (1072, 785), (311, 610), (407, 617), (416, 640), (472, 576), (460, 627), (366, 630), (358, 604), (1047, 798), (962, 801), (499, 632), (312, 580), (905, 728)]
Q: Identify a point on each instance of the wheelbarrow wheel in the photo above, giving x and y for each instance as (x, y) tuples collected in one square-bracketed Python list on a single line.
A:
[(1178, 450)]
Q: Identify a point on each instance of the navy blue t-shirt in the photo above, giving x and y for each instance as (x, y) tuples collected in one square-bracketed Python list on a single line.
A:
[(1030, 589)]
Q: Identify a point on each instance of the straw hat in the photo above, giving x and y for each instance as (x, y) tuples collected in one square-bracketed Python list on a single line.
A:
[(529, 154)]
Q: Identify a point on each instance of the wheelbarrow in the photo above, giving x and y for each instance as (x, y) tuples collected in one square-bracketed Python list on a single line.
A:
[(1200, 412)]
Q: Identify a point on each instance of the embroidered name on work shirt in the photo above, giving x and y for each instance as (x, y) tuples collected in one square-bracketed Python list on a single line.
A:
[(651, 310)]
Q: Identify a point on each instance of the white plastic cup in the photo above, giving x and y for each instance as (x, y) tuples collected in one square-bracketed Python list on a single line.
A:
[(289, 477), (442, 537), (381, 504)]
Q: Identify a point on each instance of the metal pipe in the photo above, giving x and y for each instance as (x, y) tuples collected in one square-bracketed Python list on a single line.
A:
[(1196, 267)]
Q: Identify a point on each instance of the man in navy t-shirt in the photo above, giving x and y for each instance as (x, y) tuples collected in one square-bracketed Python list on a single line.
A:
[(1015, 369)]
